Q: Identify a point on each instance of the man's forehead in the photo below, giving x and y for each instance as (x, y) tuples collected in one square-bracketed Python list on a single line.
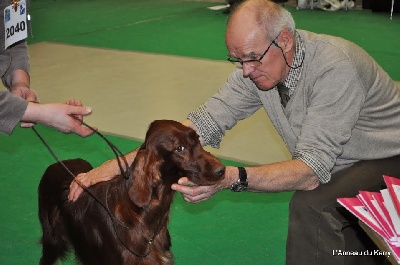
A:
[(246, 44)]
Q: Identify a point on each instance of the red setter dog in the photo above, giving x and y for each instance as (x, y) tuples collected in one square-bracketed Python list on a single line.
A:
[(123, 221)]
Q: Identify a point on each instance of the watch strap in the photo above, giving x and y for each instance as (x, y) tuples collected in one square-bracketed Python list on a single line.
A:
[(242, 175), (242, 182)]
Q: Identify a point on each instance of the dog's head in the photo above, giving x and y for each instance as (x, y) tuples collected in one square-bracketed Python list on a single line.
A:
[(170, 151)]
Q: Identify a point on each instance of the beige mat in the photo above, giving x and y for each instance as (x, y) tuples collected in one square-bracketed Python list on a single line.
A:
[(127, 90)]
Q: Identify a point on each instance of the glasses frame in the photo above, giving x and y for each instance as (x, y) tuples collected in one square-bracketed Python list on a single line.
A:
[(239, 62)]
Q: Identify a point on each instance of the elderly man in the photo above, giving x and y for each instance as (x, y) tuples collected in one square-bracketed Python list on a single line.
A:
[(335, 108)]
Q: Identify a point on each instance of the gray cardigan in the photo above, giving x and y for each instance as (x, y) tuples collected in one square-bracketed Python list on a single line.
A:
[(15, 57), (12, 108), (345, 108)]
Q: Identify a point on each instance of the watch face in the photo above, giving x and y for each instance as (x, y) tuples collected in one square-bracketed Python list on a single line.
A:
[(241, 188), (237, 187)]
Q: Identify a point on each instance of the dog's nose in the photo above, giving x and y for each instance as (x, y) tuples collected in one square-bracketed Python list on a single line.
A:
[(220, 171)]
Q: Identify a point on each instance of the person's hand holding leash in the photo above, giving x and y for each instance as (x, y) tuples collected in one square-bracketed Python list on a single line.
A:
[(58, 116)]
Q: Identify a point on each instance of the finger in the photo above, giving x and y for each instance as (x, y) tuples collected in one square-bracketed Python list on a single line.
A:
[(180, 188), (188, 190), (83, 131), (31, 96), (74, 102), (74, 191), (77, 103), (185, 181), (195, 199), (182, 184), (27, 124), (90, 178), (76, 186), (79, 110), (78, 128), (82, 180)]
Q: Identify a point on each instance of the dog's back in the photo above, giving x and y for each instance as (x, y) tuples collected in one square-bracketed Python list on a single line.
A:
[(66, 223), (89, 226), (53, 195)]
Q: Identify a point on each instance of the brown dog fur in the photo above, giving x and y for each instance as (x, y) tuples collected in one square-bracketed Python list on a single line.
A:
[(114, 223)]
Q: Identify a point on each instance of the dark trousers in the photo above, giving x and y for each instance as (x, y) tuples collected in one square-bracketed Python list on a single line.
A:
[(318, 225)]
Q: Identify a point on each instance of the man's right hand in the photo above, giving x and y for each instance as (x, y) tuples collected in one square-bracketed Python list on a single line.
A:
[(96, 175), (76, 189)]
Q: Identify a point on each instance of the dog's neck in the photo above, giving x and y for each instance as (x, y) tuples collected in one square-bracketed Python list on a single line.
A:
[(145, 225), (121, 205)]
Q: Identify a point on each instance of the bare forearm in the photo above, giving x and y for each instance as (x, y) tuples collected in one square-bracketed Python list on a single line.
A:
[(36, 113), (110, 168), (283, 176)]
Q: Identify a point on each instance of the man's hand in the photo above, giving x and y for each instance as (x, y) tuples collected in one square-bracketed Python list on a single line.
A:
[(86, 180), (194, 194), (108, 170)]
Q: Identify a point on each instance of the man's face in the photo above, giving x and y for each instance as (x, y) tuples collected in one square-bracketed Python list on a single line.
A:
[(247, 42)]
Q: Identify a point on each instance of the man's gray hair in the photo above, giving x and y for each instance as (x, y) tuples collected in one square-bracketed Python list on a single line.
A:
[(270, 16)]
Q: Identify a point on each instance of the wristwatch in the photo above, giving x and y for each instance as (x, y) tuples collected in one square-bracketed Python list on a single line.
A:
[(242, 183)]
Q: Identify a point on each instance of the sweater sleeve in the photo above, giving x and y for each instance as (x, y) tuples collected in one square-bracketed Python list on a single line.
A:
[(12, 108), (235, 101), (333, 109), (15, 57)]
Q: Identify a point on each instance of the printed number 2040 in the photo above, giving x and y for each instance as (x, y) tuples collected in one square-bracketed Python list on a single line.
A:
[(19, 27)]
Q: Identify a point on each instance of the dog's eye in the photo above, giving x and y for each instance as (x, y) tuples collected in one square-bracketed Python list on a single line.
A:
[(180, 148)]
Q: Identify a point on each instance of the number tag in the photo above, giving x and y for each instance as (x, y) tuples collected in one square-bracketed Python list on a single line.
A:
[(15, 23)]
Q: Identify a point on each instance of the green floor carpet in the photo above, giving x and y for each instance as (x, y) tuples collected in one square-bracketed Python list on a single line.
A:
[(228, 229)]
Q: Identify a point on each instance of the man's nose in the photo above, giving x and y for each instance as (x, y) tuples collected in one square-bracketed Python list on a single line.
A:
[(247, 69)]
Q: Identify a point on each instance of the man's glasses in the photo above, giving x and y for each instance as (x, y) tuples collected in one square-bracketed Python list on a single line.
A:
[(254, 62)]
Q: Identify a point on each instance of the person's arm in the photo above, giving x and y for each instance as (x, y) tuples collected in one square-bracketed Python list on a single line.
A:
[(108, 170), (282, 176), (57, 115), (17, 78), (237, 99), (18, 57), (12, 108), (20, 85)]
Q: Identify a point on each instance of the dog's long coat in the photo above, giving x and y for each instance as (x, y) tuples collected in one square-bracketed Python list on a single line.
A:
[(116, 225)]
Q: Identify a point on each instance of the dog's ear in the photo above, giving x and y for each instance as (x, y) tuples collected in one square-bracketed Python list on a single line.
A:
[(145, 174)]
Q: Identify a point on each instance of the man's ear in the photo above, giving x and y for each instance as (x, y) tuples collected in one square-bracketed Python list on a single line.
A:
[(285, 40)]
